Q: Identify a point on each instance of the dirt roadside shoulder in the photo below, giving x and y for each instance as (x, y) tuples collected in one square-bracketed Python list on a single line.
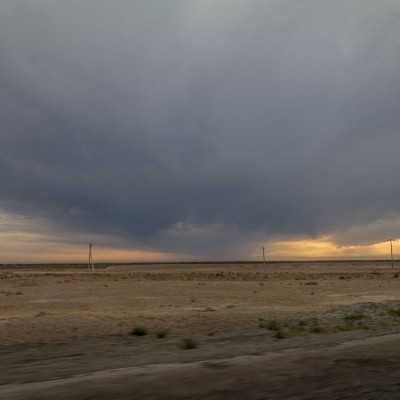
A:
[(368, 368)]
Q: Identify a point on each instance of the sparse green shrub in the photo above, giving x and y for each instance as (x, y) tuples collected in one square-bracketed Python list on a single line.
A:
[(319, 329), (188, 343), (337, 328), (302, 325), (395, 312), (161, 334), (273, 325), (282, 333), (361, 325), (139, 331), (353, 317)]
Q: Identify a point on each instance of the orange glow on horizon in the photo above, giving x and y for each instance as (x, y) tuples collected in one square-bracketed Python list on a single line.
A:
[(323, 248), (74, 254), (32, 248), (20, 243)]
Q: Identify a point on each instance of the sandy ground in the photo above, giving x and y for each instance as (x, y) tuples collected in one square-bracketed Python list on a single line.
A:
[(65, 332)]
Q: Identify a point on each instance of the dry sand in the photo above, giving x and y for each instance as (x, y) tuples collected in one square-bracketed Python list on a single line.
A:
[(65, 332)]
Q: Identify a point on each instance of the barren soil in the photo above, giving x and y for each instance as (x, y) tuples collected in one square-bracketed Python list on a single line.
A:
[(279, 331)]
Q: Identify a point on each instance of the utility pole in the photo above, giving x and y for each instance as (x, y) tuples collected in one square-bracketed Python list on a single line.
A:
[(391, 248), (263, 254), (90, 263)]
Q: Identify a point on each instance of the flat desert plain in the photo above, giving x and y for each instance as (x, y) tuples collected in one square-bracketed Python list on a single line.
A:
[(317, 330)]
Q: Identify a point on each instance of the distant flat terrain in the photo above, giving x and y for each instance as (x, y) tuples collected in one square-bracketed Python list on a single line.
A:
[(306, 330)]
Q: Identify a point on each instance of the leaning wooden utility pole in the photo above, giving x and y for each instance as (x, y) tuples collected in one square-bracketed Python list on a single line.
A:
[(391, 248), (90, 263), (263, 254)]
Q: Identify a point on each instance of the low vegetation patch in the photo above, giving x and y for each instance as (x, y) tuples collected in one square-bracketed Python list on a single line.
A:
[(273, 325), (286, 329), (341, 319), (188, 343), (354, 317), (283, 333), (139, 331), (395, 312)]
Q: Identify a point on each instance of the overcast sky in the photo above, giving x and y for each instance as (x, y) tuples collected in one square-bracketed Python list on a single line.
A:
[(201, 128)]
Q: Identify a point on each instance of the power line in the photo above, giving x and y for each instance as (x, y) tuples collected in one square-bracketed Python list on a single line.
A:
[(391, 248), (90, 263)]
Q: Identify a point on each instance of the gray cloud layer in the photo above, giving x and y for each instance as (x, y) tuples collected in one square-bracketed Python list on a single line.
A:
[(135, 117)]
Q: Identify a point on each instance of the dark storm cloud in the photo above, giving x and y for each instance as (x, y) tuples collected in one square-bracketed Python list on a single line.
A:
[(140, 118)]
